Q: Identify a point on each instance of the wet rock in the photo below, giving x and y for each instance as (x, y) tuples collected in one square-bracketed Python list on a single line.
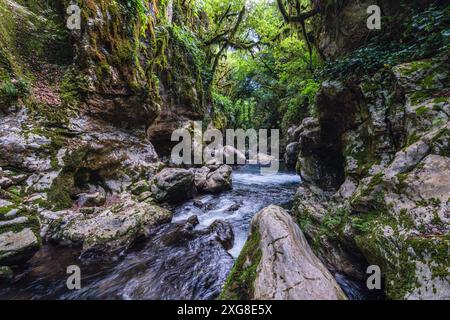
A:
[(291, 156), (112, 229), (223, 233), (295, 273), (6, 273), (173, 185), (28, 152), (18, 247), (140, 187), (180, 233), (213, 181), (193, 221), (218, 180)]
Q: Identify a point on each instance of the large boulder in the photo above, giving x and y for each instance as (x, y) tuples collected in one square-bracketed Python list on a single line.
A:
[(18, 247), (208, 180), (173, 185), (342, 25), (6, 273), (110, 230), (277, 263)]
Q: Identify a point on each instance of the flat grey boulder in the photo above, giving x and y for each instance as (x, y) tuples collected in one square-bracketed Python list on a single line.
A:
[(277, 263)]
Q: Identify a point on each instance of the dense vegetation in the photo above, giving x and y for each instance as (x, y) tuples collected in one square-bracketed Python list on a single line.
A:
[(271, 71)]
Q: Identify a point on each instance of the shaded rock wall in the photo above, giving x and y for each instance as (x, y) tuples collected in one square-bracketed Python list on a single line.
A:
[(341, 26), (388, 207)]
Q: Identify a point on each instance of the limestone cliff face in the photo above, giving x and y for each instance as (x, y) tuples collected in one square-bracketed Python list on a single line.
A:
[(385, 199), (341, 26), (139, 65)]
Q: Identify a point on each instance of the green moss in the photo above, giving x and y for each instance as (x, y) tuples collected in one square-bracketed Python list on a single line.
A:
[(421, 110), (392, 253), (415, 66), (433, 251), (334, 222), (59, 194), (240, 282), (376, 180), (405, 219)]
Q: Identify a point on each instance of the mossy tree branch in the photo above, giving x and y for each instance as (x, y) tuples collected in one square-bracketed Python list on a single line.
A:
[(300, 18)]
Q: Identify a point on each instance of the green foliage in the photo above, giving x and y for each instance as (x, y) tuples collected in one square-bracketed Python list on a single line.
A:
[(269, 84), (11, 91)]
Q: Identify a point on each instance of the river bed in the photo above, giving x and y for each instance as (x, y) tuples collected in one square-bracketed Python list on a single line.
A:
[(194, 269)]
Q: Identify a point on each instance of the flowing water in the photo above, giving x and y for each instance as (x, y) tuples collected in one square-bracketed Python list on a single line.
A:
[(178, 260)]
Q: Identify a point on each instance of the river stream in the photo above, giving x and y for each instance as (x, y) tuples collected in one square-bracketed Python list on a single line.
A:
[(190, 265)]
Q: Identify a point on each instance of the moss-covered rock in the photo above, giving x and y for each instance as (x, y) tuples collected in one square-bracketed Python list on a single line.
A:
[(391, 210), (277, 263), (240, 282)]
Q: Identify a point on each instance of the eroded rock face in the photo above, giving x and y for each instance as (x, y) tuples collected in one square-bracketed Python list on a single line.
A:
[(213, 179), (109, 230), (6, 273), (343, 25), (173, 185), (118, 90), (291, 155), (18, 247), (392, 208), (278, 263)]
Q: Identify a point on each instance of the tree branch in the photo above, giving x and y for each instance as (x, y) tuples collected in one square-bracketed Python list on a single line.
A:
[(300, 17)]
